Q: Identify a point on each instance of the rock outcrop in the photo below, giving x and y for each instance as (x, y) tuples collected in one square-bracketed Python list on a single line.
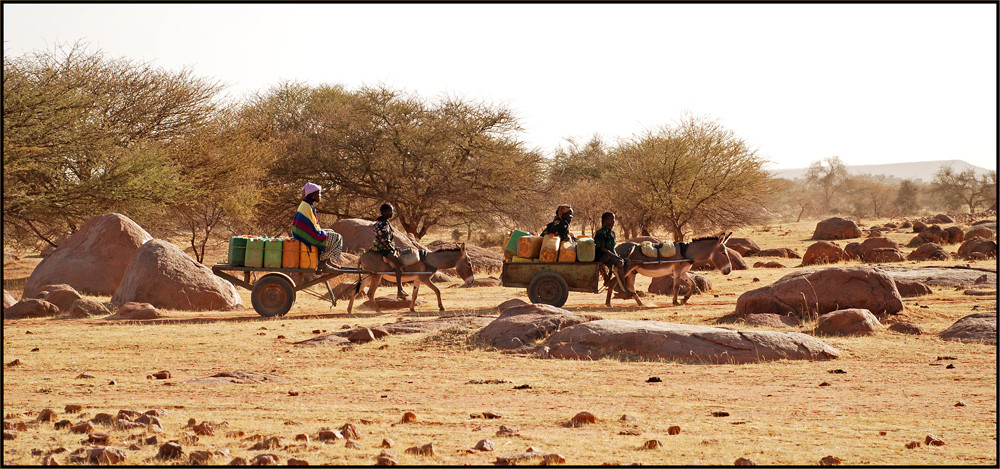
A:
[(820, 291), (521, 325), (836, 228), (979, 327)]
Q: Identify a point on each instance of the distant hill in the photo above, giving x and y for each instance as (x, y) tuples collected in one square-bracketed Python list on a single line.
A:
[(920, 170)]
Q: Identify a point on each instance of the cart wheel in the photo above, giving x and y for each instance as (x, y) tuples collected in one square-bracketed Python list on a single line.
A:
[(272, 295), (548, 288)]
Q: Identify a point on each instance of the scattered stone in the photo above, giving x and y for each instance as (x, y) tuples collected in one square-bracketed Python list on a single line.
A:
[(409, 417), (932, 440), (652, 444), (82, 427), (147, 419), (352, 444), (674, 430), (387, 443), (63, 424), (848, 322), (238, 461), (296, 462), (628, 418), (50, 460), (264, 460), (906, 328), (913, 444), (425, 450), (830, 461), (273, 442), (385, 460), (200, 458), (235, 434), (328, 434), (528, 457), (583, 418), (484, 445), (189, 439), (293, 393), (350, 431), (523, 386), (768, 265), (302, 437), (170, 450), (720, 414), (46, 415), (86, 375), (507, 431), (654, 379), (491, 415), (744, 462), (14, 362), (204, 428), (162, 374), (9, 434), (824, 383)]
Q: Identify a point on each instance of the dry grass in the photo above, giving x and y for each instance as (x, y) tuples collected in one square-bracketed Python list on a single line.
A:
[(779, 413)]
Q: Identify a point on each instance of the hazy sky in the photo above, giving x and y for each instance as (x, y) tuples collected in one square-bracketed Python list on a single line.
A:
[(869, 83)]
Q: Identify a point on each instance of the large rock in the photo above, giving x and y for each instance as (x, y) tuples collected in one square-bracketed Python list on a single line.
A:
[(777, 252), (847, 322), (744, 246), (135, 311), (8, 300), (877, 250), (94, 259), (979, 232), (162, 275), (883, 255), (984, 246), (933, 234), (928, 252), (979, 327), (30, 308), (61, 295), (771, 320), (665, 285), (359, 235), (942, 276), (954, 234), (521, 326), (941, 218), (823, 252), (735, 259), (820, 291), (912, 288), (85, 307), (836, 228), (683, 342)]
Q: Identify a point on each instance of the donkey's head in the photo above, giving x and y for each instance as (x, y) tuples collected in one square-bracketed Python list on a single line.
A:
[(464, 267), (720, 255)]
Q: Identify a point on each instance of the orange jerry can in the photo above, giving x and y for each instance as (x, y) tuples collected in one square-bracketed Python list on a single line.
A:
[(290, 253), (308, 256)]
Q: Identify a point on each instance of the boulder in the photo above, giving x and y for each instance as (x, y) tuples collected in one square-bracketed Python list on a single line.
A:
[(941, 218), (734, 258), (934, 234), (906, 328), (771, 320), (848, 322), (883, 255), (683, 342), (919, 226), (979, 232), (769, 265), (744, 246), (135, 311), (8, 300), (94, 259), (978, 245), (911, 288), (521, 326), (906, 224), (836, 228), (86, 307), (665, 285), (954, 234), (979, 327), (162, 275), (820, 291), (853, 250), (778, 252), (927, 252), (359, 235), (61, 295), (30, 308), (823, 252)]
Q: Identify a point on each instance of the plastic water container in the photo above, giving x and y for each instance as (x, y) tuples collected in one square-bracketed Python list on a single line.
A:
[(586, 249), (669, 249), (529, 246), (522, 259), (237, 251), (255, 252), (272, 253), (290, 253), (308, 256), (648, 250), (567, 252), (511, 245), (550, 249)]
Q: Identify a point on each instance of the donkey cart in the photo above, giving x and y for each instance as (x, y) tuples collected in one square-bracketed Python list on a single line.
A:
[(551, 282), (274, 293)]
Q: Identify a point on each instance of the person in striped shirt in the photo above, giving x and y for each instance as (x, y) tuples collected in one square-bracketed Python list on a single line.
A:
[(305, 228)]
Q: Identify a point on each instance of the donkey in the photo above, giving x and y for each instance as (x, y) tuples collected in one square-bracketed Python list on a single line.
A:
[(432, 262), (712, 249)]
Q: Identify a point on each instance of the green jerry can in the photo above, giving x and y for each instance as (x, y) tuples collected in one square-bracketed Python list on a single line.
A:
[(272, 253), (237, 251), (255, 252), (586, 250), (511, 248)]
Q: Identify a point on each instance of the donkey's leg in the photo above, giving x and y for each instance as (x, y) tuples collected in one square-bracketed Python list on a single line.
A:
[(413, 301), (373, 284), (358, 287), (677, 287), (427, 281), (691, 287)]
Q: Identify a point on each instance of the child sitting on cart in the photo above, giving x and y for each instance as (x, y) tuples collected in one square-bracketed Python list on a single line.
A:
[(385, 245), (604, 242), (560, 225), (305, 228)]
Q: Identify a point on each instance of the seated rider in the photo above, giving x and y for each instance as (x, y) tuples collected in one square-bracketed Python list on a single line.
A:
[(305, 228), (604, 242), (385, 245), (560, 225)]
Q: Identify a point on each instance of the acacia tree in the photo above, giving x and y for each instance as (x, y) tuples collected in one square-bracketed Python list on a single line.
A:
[(871, 195), (85, 135), (577, 177), (906, 201), (696, 173), (957, 188), (433, 161), (829, 175)]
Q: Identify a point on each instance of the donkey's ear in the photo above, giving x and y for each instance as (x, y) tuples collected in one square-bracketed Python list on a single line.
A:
[(462, 246), (727, 237)]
